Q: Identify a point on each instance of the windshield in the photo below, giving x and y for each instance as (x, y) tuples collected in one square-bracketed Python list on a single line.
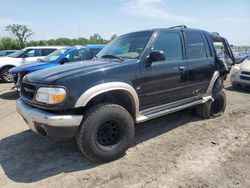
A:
[(17, 54), (127, 46), (55, 55)]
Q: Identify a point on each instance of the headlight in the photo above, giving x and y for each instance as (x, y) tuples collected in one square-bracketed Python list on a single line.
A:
[(50, 95), (236, 68)]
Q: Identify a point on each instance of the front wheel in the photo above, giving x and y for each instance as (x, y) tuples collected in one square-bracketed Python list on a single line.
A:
[(214, 108), (6, 76), (106, 132)]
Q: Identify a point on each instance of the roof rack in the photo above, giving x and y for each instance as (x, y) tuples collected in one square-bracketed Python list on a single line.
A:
[(216, 33), (178, 26)]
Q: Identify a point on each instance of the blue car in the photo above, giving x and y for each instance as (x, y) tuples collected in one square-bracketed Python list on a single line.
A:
[(58, 57)]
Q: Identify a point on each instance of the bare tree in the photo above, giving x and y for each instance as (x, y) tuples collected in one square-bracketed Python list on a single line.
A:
[(21, 32)]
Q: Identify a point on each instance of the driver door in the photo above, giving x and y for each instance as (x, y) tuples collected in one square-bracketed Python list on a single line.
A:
[(165, 81)]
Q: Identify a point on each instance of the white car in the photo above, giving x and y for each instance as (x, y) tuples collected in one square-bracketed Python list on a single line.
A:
[(26, 55), (241, 74)]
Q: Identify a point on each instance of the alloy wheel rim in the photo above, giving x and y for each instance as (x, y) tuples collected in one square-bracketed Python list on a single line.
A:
[(8, 76)]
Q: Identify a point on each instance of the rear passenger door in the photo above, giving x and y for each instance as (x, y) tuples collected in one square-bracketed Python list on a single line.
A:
[(201, 64), (32, 55)]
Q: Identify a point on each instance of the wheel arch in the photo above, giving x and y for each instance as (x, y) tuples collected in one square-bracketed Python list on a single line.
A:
[(111, 91), (215, 84), (5, 66)]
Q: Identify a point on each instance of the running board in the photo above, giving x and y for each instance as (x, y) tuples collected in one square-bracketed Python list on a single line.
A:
[(169, 108)]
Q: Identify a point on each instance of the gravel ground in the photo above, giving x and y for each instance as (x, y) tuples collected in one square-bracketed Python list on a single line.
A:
[(178, 150)]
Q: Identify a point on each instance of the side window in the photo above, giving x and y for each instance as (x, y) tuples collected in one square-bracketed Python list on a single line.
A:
[(171, 44), (76, 55), (33, 53), (46, 52), (195, 46), (93, 52)]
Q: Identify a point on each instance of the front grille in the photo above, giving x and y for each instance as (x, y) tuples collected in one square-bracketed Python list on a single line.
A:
[(245, 72), (244, 78), (28, 91)]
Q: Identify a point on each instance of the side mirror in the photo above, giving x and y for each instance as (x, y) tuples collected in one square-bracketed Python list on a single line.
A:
[(64, 60), (155, 56)]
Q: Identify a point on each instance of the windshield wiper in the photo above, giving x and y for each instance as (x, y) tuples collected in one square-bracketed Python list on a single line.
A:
[(112, 56)]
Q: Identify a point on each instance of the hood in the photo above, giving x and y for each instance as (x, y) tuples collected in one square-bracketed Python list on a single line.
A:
[(245, 65), (78, 69), (31, 67)]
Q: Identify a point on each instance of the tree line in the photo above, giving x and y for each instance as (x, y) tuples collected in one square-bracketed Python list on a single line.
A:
[(21, 33)]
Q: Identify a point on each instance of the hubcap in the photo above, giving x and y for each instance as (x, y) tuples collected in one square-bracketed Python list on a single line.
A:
[(109, 133), (8, 76)]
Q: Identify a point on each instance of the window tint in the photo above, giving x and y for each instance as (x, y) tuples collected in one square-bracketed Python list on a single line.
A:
[(170, 43), (33, 53), (47, 51), (94, 52), (195, 46), (77, 55)]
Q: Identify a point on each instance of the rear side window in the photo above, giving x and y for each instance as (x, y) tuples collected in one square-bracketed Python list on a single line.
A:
[(94, 52), (170, 44), (195, 46), (46, 52)]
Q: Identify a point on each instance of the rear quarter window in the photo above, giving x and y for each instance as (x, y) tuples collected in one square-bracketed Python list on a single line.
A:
[(195, 46), (46, 52)]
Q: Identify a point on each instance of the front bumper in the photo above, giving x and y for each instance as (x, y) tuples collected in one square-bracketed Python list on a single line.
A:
[(49, 124), (236, 79)]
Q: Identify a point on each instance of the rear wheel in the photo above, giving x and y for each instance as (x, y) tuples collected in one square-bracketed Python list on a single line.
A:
[(211, 108), (106, 132), (6, 76)]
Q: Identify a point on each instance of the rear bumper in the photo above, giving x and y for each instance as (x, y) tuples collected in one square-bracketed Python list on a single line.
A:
[(49, 124)]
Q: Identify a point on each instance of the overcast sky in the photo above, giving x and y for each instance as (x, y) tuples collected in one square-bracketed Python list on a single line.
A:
[(75, 18)]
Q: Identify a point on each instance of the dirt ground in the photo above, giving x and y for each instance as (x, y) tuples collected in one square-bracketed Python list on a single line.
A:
[(178, 150)]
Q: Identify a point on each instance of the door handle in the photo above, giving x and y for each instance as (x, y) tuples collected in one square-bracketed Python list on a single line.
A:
[(182, 67)]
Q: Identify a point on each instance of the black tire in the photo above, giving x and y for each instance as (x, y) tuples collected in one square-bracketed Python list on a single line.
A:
[(6, 76), (211, 108), (105, 132)]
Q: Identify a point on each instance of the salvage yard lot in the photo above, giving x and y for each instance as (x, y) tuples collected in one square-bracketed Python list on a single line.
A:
[(176, 150)]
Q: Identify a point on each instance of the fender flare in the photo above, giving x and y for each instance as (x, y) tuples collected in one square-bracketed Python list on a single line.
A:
[(106, 87), (212, 83)]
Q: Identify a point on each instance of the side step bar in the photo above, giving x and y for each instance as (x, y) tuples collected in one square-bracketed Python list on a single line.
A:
[(169, 108)]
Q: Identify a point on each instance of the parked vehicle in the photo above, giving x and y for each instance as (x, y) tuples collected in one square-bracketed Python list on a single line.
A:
[(26, 55), (58, 57), (6, 52), (137, 77), (240, 76)]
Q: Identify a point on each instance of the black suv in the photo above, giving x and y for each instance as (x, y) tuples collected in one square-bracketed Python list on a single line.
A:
[(137, 77)]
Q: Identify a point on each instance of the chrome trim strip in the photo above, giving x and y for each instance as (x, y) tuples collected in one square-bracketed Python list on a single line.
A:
[(142, 117), (34, 115), (105, 87), (212, 82)]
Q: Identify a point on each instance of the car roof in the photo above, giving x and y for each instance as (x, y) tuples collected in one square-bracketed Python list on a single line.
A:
[(90, 46), (45, 47), (174, 28)]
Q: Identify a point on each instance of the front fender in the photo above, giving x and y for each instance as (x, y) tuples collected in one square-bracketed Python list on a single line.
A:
[(105, 87)]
